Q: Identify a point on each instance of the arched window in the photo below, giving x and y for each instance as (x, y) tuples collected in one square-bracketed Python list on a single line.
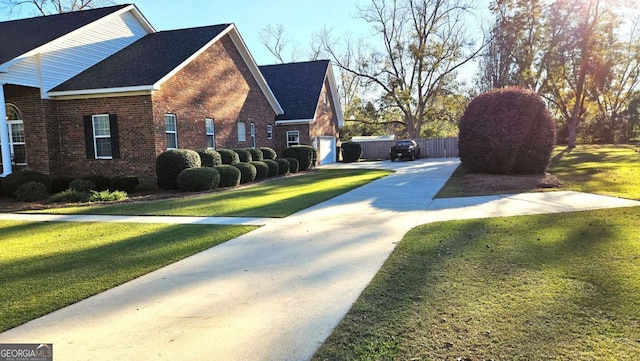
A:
[(16, 134)]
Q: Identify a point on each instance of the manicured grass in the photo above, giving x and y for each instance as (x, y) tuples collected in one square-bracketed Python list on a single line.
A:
[(48, 265), (276, 198), (550, 287), (609, 170)]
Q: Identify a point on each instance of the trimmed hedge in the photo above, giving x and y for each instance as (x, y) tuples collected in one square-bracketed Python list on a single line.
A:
[(283, 166), (262, 169), (229, 156), (351, 151), (70, 196), (256, 154), (229, 175), (171, 162), (32, 192), (60, 184), (305, 155), (506, 131), (101, 182), (268, 153), (294, 165), (198, 179), (274, 167), (244, 154), (82, 185), (13, 181), (209, 157), (247, 172), (125, 183)]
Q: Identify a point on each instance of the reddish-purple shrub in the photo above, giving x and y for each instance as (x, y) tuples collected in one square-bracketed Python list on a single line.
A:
[(506, 131)]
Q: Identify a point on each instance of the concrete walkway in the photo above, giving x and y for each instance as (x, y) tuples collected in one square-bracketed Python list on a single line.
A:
[(277, 292)]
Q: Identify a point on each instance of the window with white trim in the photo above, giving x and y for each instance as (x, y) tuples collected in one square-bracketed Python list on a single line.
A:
[(293, 137), (171, 131), (101, 136), (17, 144), (252, 132), (211, 133), (269, 131), (242, 132)]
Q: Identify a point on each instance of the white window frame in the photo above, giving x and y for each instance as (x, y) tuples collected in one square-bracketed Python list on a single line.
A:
[(100, 136), (174, 131), (252, 132), (296, 134), (269, 131), (211, 132), (242, 131), (14, 117)]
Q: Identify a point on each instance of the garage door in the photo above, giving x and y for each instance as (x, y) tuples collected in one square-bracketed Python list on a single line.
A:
[(327, 153)]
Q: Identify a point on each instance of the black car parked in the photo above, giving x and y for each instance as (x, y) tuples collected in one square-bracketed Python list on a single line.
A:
[(405, 149)]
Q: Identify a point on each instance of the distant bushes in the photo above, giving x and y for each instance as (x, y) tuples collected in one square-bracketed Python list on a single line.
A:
[(198, 179), (170, 163), (229, 156), (209, 157), (229, 175), (248, 172), (351, 151), (305, 155), (268, 153)]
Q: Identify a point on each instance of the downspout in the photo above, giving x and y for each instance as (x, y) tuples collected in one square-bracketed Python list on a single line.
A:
[(4, 136)]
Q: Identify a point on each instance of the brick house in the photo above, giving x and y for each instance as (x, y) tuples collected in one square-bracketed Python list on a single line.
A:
[(101, 92)]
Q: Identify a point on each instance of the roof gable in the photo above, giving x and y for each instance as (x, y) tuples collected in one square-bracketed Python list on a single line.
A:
[(297, 87), (44, 29)]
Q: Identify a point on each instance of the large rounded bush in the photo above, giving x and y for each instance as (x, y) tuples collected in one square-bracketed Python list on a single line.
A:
[(283, 166), (229, 175), (32, 192), (506, 131), (198, 179), (256, 154), (351, 151), (274, 167), (209, 157), (171, 162), (268, 153), (247, 172), (13, 181), (101, 182), (82, 185), (294, 165), (229, 156), (262, 169), (60, 184), (125, 183), (305, 155), (244, 154)]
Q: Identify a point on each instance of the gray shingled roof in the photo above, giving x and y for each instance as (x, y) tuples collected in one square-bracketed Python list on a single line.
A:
[(144, 62), (297, 87), (18, 37)]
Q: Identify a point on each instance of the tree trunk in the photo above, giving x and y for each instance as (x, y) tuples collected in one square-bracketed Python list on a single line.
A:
[(572, 125)]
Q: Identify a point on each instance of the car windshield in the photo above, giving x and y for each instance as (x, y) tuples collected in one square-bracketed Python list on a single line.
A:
[(405, 143)]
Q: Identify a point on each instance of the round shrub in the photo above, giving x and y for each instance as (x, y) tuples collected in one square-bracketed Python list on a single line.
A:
[(274, 167), (125, 183), (32, 192), (294, 165), (60, 184), (268, 153), (101, 182), (256, 154), (209, 157), (171, 162), (70, 196), (305, 155), (351, 151), (262, 169), (198, 179), (14, 180), (247, 172), (82, 185), (506, 131), (229, 156), (244, 154), (229, 175), (283, 166)]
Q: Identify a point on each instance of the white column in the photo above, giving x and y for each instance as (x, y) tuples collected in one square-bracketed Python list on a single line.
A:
[(4, 136)]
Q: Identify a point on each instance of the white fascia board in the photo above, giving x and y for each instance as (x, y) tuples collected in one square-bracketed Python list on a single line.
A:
[(253, 67), (334, 95), (142, 89), (294, 121)]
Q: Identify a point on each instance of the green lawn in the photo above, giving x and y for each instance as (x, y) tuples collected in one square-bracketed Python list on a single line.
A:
[(549, 287), (48, 265), (274, 198)]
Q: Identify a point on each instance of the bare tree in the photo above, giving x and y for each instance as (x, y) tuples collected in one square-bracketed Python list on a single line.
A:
[(275, 40), (421, 46), (48, 7)]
